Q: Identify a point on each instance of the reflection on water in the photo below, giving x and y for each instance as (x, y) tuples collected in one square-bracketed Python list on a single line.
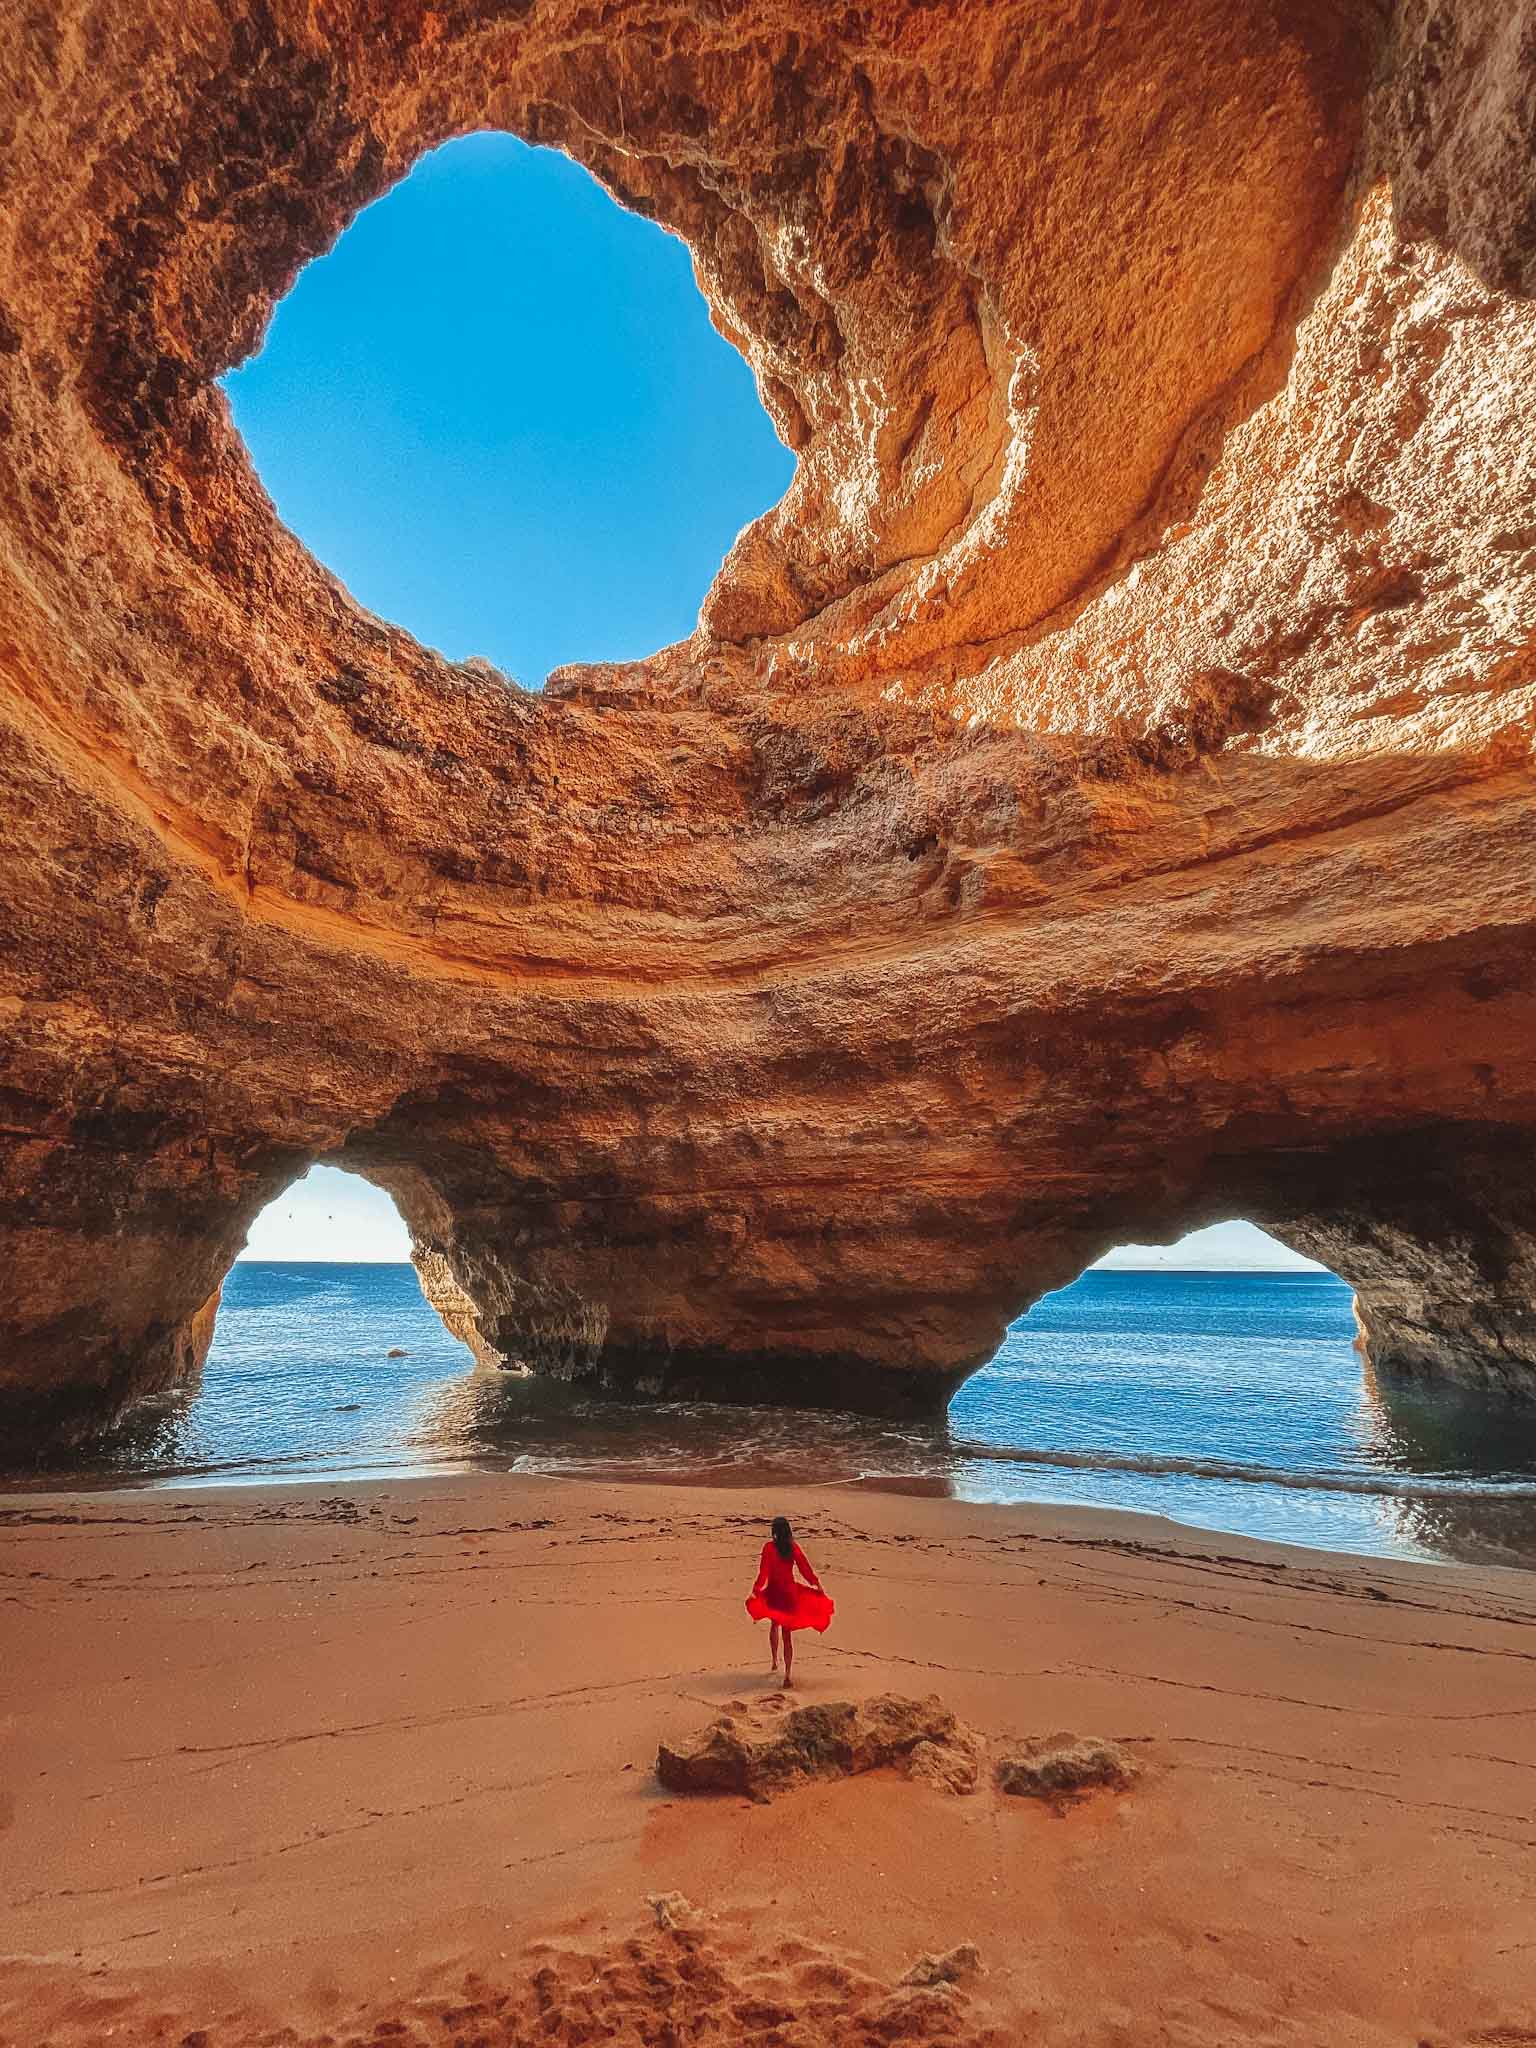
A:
[(1231, 1401), (1486, 1451)]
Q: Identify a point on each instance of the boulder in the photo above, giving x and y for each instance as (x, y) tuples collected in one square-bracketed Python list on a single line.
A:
[(761, 1750), (1063, 1769)]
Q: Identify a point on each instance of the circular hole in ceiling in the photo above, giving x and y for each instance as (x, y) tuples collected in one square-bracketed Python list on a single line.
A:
[(498, 411)]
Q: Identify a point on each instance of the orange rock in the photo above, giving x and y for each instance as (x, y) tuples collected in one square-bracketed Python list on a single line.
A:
[(1096, 800), (760, 1749), (1064, 1769)]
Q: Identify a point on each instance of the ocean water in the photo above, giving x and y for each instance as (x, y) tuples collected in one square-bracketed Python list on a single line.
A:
[(1230, 1401)]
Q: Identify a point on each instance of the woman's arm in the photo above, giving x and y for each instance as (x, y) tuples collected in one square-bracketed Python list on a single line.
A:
[(762, 1571), (805, 1569)]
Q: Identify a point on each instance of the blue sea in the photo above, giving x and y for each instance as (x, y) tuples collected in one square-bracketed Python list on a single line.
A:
[(1230, 1401)]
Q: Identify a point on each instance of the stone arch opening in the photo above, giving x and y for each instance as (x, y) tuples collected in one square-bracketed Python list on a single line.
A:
[(328, 1212), (362, 1204), (1234, 1396), (497, 408), (320, 1342), (1149, 1309)]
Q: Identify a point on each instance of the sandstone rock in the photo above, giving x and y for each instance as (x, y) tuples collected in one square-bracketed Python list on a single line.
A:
[(1063, 1769), (955, 1966), (1097, 800), (953, 1765), (686, 1985), (671, 1910), (761, 1750), (920, 2013)]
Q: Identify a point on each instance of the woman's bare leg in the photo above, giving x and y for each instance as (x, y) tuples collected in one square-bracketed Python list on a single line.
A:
[(773, 1643), (789, 1657)]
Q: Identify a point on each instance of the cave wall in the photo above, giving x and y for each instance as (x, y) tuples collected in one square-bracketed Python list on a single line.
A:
[(1098, 798)]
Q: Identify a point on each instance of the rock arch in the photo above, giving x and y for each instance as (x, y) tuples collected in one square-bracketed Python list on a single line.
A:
[(1103, 781)]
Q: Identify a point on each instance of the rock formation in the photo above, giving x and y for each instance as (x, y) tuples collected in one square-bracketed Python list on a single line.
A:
[(1062, 1770), (759, 1749), (1096, 800), (675, 1984)]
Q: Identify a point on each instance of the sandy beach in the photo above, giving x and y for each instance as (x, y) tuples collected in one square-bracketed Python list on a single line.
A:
[(338, 1763)]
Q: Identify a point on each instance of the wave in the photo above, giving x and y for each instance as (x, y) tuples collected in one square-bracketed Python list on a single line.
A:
[(1404, 1484)]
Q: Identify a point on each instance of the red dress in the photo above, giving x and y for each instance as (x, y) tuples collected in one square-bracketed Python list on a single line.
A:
[(778, 1597)]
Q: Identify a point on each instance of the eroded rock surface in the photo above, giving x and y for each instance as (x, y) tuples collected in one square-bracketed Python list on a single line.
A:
[(1095, 801), (955, 1965), (672, 1984), (762, 1749), (1065, 1768)]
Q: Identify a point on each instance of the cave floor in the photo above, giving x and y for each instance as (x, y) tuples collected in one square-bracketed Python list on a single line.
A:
[(337, 1758)]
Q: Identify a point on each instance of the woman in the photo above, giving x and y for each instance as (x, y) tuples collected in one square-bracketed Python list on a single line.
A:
[(780, 1601)]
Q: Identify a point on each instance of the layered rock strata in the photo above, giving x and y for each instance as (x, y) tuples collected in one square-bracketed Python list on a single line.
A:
[(1098, 798)]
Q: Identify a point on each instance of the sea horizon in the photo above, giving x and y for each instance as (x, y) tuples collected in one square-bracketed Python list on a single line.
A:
[(1221, 1398)]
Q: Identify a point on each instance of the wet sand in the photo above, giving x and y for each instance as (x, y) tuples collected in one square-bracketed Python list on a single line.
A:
[(345, 1759)]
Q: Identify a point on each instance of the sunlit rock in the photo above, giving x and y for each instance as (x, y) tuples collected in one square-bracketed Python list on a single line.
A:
[(1097, 799), (1061, 1770), (770, 1746)]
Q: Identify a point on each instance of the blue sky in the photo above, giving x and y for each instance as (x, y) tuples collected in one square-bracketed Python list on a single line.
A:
[(1232, 1247), (498, 411)]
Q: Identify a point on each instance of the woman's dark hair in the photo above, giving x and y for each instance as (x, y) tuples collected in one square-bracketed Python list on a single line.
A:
[(783, 1537)]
